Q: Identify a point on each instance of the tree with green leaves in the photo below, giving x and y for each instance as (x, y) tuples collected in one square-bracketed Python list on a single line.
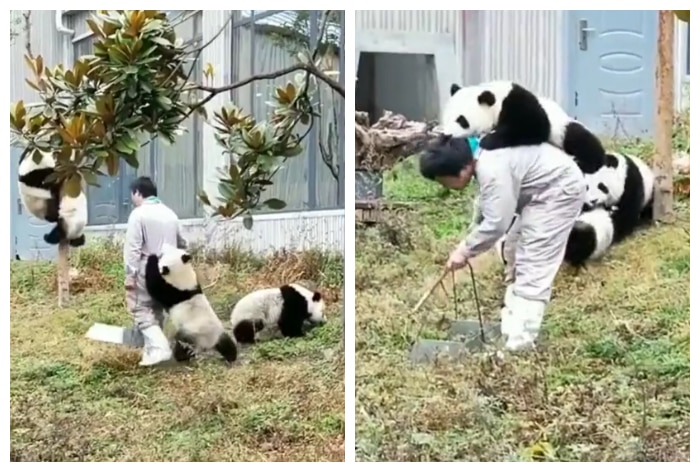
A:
[(140, 79)]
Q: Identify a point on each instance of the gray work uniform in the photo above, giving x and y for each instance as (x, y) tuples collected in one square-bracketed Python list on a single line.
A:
[(149, 226), (545, 187)]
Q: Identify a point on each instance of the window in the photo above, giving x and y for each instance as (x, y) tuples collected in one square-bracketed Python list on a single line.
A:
[(176, 169)]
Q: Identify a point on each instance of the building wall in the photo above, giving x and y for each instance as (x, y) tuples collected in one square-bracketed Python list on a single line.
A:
[(488, 44), (184, 168), (528, 46)]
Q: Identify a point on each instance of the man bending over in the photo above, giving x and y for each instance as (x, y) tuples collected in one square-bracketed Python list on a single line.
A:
[(545, 187)]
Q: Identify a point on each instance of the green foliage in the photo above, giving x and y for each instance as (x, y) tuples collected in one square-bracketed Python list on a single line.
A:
[(257, 150), (92, 114)]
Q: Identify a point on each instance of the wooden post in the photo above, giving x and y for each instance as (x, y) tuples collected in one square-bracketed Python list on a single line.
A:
[(63, 266), (663, 133)]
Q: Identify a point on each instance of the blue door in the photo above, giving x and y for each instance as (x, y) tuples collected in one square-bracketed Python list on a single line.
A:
[(27, 233), (612, 60), (110, 203)]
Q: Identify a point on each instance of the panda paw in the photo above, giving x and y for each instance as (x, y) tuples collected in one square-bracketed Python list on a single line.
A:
[(52, 237), (181, 352), (77, 242)]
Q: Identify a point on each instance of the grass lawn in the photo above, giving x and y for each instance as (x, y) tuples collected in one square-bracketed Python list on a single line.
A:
[(609, 382), (72, 399)]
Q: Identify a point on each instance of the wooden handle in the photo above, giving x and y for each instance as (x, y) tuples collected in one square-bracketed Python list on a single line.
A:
[(429, 292)]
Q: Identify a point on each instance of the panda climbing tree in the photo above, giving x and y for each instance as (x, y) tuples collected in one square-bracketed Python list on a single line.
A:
[(140, 80)]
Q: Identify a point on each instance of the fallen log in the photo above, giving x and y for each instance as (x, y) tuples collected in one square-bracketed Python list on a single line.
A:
[(392, 138)]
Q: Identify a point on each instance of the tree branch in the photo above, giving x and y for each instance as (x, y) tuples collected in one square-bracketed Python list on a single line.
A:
[(27, 31), (198, 51), (310, 68)]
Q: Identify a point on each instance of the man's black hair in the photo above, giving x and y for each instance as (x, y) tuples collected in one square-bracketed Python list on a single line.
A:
[(144, 186), (446, 156)]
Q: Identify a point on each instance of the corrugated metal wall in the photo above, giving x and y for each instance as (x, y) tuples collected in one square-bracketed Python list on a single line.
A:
[(43, 39), (263, 55), (321, 229), (403, 83), (524, 46), (423, 21)]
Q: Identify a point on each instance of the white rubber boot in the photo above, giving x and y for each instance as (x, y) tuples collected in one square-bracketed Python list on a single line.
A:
[(507, 318), (156, 347), (524, 326)]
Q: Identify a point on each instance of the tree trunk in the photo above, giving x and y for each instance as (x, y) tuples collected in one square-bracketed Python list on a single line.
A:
[(63, 267), (663, 157)]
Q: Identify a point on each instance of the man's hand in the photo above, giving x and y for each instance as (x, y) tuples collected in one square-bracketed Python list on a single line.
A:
[(458, 259)]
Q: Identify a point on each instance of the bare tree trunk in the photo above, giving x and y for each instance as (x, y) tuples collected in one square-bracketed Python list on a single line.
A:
[(63, 267), (663, 157)]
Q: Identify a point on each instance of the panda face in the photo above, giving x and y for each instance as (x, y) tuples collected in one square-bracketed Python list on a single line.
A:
[(605, 187), (474, 110), (176, 268), (316, 307)]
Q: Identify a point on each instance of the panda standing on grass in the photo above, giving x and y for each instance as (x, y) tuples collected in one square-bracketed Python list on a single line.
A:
[(539, 183)]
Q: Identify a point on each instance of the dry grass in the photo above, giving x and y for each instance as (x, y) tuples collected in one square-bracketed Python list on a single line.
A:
[(77, 400), (610, 381)]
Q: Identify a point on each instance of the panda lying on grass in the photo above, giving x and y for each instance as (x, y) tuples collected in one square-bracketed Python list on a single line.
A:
[(286, 309)]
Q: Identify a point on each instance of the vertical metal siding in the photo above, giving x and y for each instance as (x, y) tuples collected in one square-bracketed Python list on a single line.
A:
[(406, 83), (526, 46), (44, 41), (424, 21), (258, 54)]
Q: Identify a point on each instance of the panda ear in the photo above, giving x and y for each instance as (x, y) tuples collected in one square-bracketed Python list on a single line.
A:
[(316, 297), (186, 258), (486, 98), (611, 161), (454, 89)]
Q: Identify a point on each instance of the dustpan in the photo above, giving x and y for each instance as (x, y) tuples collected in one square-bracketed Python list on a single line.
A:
[(466, 336), (131, 337)]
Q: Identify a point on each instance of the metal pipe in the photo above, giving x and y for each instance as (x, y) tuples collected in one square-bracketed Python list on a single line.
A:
[(60, 27)]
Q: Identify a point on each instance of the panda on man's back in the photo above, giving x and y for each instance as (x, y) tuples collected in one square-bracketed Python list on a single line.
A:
[(509, 115)]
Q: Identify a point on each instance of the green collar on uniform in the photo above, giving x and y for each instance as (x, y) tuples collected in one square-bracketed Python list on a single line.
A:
[(152, 199)]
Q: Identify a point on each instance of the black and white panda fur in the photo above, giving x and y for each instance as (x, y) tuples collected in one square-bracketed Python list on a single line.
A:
[(625, 183), (47, 202), (286, 308), (591, 237), (514, 116), (619, 199), (172, 282)]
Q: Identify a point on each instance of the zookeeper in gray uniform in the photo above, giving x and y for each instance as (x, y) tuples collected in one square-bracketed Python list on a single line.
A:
[(151, 223), (545, 187)]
